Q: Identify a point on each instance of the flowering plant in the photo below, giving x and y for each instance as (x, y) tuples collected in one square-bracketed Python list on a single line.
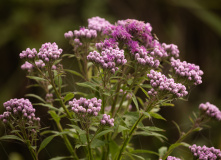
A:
[(115, 62)]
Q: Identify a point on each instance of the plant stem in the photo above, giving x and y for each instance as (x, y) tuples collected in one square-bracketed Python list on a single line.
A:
[(89, 145), (119, 156), (195, 125), (67, 142)]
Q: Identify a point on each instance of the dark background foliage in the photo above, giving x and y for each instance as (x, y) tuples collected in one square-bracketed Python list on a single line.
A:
[(193, 25)]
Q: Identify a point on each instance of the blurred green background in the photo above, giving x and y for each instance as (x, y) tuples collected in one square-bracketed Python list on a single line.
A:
[(193, 25)]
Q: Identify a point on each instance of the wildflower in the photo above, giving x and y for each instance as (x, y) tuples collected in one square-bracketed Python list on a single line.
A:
[(106, 120), (49, 51), (28, 53), (86, 107), (107, 43), (161, 83), (108, 59), (210, 110), (68, 35), (186, 70), (19, 110), (98, 24), (204, 152), (172, 158), (171, 49), (85, 33), (27, 66)]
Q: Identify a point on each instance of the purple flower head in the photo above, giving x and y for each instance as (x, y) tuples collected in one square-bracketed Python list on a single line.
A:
[(172, 158), (108, 59), (133, 46), (106, 120), (20, 110), (143, 58), (210, 110), (204, 152), (86, 107), (28, 53), (68, 35), (119, 33), (186, 70), (49, 51), (27, 66), (40, 64), (108, 43), (98, 24), (85, 33), (171, 49), (161, 83)]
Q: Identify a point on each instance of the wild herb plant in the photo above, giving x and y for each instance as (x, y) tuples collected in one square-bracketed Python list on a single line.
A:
[(115, 61)]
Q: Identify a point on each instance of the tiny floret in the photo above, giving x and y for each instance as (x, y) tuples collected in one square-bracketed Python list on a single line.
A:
[(106, 120)]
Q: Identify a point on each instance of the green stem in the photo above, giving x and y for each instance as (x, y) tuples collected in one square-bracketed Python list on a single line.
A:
[(119, 156), (195, 125), (67, 142), (89, 146), (57, 93)]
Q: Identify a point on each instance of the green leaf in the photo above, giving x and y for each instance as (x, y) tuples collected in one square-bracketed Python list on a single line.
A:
[(45, 142), (68, 55), (151, 128), (129, 81), (175, 145), (135, 101), (140, 101), (87, 85), (103, 133), (68, 96), (146, 86), (61, 158), (46, 105), (114, 148), (178, 127), (154, 134), (145, 92), (144, 151), (162, 150), (167, 104), (121, 128), (156, 115), (197, 129), (35, 96), (80, 145), (11, 137), (78, 129), (54, 116), (36, 78), (74, 72), (97, 143)]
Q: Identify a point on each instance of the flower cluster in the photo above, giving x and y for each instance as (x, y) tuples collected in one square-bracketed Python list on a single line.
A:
[(28, 53), (107, 43), (203, 153), (106, 120), (19, 109), (188, 70), (85, 33), (98, 24), (108, 59), (39, 63), (210, 110), (27, 66), (143, 58), (171, 49), (68, 35), (86, 107), (49, 51), (49, 97), (161, 83), (172, 158)]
